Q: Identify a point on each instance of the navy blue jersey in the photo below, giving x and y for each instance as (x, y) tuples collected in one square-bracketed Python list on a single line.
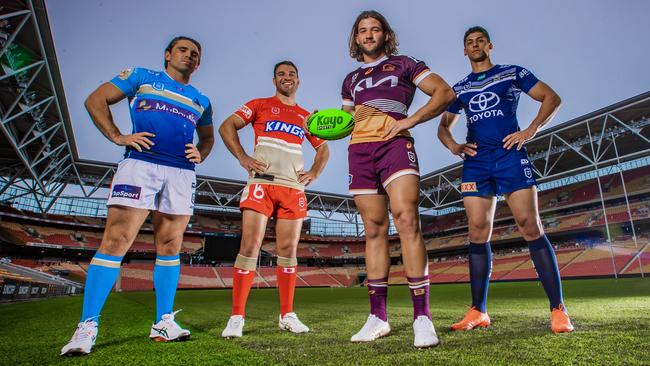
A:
[(168, 109), (490, 100)]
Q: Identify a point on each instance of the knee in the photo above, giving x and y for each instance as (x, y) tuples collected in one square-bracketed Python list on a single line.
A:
[(479, 231), (115, 242), (406, 222), (169, 245), (376, 229), (249, 247), (530, 227)]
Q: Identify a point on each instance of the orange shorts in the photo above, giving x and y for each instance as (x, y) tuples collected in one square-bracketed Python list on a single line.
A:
[(274, 201)]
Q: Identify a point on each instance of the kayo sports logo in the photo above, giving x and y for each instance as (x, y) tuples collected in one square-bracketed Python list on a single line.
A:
[(327, 122)]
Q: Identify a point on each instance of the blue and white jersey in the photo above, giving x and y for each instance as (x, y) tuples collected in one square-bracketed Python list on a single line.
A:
[(168, 109), (490, 100)]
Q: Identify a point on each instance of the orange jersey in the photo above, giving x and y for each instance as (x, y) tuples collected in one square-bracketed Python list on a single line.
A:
[(279, 134)]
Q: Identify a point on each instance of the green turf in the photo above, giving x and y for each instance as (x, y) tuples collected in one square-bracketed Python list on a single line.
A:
[(611, 317)]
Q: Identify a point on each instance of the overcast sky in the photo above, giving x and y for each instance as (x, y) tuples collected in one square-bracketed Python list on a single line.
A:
[(593, 53)]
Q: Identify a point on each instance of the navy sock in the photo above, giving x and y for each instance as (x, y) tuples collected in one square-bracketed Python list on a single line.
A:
[(480, 268), (541, 252)]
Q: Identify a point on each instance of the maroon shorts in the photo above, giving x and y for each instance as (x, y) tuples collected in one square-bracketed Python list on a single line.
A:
[(373, 165)]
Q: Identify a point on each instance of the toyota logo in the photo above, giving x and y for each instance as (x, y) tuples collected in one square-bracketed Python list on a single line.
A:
[(483, 101)]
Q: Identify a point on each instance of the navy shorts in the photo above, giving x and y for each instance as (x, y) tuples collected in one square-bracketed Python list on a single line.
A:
[(496, 172)]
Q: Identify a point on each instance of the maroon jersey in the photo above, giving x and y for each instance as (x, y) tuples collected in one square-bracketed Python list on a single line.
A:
[(381, 93)]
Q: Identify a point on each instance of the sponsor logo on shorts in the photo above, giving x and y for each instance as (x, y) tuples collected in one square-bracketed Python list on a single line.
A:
[(301, 202), (124, 74), (126, 191), (524, 162), (411, 156), (258, 191), (468, 187), (350, 176), (528, 173), (288, 270), (388, 67), (247, 112)]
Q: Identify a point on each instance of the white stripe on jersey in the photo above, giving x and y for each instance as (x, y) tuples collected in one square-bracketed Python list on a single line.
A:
[(387, 105), (486, 85), (284, 143), (421, 77)]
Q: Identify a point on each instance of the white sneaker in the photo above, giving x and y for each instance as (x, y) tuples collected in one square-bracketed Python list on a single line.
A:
[(425, 334), (234, 328), (291, 323), (167, 330), (83, 339), (373, 329)]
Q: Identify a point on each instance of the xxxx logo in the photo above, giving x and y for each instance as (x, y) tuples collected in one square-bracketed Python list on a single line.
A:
[(468, 187)]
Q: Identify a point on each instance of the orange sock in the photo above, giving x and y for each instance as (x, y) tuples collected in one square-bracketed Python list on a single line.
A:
[(286, 284), (241, 287)]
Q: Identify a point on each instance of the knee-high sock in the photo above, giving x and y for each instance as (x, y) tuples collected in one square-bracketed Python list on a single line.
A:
[(241, 286), (419, 287), (543, 257), (378, 293), (286, 278), (102, 274), (165, 280), (480, 267)]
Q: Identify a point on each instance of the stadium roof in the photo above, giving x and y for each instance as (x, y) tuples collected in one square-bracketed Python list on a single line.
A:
[(37, 146)]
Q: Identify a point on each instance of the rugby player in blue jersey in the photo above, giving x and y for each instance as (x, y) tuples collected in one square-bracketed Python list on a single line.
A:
[(157, 175), (496, 163)]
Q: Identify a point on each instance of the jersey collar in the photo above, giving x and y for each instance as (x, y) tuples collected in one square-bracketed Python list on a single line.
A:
[(375, 63)]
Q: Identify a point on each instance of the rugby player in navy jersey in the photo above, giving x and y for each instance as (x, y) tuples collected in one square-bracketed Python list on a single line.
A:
[(383, 165), (496, 163), (156, 175)]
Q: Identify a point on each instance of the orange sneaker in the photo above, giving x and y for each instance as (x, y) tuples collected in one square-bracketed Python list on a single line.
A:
[(472, 319), (560, 322)]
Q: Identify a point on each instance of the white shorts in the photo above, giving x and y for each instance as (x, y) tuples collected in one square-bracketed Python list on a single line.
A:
[(141, 184)]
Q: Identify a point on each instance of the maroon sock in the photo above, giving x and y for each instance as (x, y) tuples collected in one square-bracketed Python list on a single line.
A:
[(419, 287), (378, 292)]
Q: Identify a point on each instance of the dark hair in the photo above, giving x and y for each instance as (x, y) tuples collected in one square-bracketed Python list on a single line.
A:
[(285, 62), (474, 29), (391, 44), (173, 42)]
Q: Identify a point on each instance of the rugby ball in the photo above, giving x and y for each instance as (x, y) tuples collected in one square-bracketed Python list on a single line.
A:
[(330, 124)]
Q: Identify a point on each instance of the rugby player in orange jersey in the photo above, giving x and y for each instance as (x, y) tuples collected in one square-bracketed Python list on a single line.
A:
[(275, 188)]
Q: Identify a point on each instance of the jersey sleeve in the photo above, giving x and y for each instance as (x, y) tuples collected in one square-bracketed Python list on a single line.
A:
[(455, 107), (206, 117), (525, 79), (346, 92), (129, 80), (416, 70), (313, 140), (248, 111)]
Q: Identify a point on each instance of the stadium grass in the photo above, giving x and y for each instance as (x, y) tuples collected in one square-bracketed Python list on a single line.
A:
[(611, 318)]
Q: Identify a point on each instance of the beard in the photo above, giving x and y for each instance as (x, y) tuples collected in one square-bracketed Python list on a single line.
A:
[(376, 49)]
